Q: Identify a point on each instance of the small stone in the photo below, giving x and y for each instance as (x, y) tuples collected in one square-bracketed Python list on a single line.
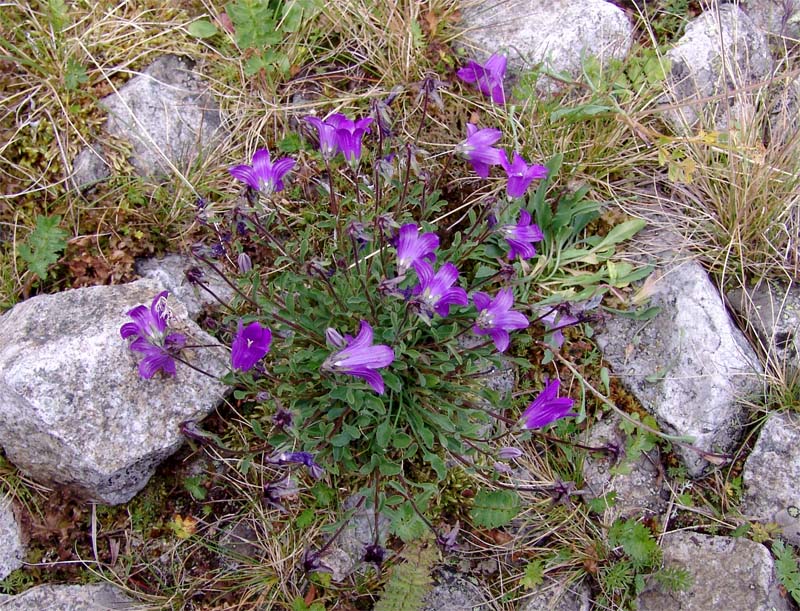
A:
[(638, 483), (689, 365), (89, 168), (561, 34), (73, 408), (167, 114), (771, 474), (727, 574), (453, 592), (92, 597), (347, 551), (721, 52), (558, 596), (773, 312), (12, 551)]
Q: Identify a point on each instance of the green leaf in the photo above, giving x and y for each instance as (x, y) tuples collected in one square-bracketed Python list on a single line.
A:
[(202, 28), (534, 575), (406, 524), (493, 508), (75, 75), (194, 485), (44, 245), (437, 464), (787, 569), (637, 542), (580, 113)]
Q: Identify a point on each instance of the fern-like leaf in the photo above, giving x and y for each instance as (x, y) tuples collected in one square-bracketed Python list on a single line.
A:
[(44, 245), (410, 580)]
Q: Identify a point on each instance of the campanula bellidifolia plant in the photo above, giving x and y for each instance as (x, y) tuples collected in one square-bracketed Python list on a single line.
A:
[(356, 348)]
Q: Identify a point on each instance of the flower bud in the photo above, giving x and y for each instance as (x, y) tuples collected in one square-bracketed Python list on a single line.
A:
[(244, 263)]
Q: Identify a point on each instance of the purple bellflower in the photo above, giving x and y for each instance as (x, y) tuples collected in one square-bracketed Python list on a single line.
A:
[(488, 78), (349, 134), (328, 143), (520, 237), (558, 319), (250, 345), (547, 407), (361, 359), (520, 174), (477, 148), (338, 133), (301, 458), (436, 291), (264, 175), (412, 247), (496, 318), (149, 327)]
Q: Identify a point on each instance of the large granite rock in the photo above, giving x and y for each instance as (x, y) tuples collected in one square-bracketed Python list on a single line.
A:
[(771, 474), (721, 51), (73, 409), (167, 115), (12, 551), (689, 365), (347, 551), (453, 592), (727, 573), (557, 33), (94, 597)]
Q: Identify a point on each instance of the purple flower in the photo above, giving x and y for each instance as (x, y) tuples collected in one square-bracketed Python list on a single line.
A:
[(338, 133), (361, 359), (547, 407), (434, 290), (250, 345), (496, 317), (275, 491), (149, 327), (520, 174), (477, 148), (509, 453), (328, 143), (349, 134), (558, 319), (520, 237), (300, 458), (412, 247), (263, 175), (488, 77)]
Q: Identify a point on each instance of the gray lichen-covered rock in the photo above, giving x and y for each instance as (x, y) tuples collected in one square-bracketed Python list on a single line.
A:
[(721, 51), (727, 573), (12, 551), (778, 17), (453, 592), (558, 33), (347, 551), (773, 312), (557, 596), (689, 365), (94, 597), (171, 272), (73, 409), (637, 482), (771, 474), (166, 113), (784, 112)]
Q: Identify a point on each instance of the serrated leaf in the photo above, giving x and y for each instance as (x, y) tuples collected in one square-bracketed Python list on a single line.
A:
[(202, 28), (534, 575), (44, 245), (493, 508)]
